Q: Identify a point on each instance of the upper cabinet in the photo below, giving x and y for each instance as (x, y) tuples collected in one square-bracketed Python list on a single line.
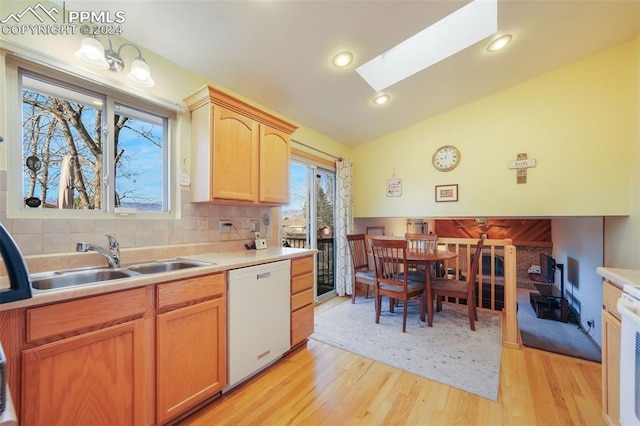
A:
[(240, 154), (275, 149), (233, 169)]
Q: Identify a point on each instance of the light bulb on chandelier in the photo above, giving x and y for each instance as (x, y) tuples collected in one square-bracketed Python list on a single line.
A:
[(93, 53)]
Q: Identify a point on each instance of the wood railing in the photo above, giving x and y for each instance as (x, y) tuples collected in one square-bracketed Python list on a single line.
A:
[(490, 285)]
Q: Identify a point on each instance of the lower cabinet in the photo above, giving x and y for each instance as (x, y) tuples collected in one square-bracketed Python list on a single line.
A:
[(611, 331), (301, 299), (191, 344), (94, 361), (142, 356), (611, 327), (93, 377), (189, 359)]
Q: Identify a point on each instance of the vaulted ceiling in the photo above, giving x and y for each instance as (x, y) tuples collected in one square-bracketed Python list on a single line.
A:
[(278, 53)]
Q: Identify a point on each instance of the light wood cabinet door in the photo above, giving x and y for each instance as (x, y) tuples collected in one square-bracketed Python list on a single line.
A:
[(275, 152), (301, 325), (611, 328), (302, 299), (191, 356), (234, 166), (96, 378)]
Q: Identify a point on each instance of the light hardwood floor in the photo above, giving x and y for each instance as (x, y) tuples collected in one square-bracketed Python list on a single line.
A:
[(323, 385)]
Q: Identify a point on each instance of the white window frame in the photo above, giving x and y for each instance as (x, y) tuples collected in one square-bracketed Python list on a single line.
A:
[(13, 144)]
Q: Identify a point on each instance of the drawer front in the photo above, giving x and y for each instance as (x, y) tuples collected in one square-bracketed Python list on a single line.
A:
[(610, 295), (301, 283), (65, 317), (301, 324), (301, 266), (301, 299), (190, 290)]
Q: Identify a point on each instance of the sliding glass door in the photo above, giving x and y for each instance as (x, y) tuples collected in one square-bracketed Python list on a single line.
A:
[(309, 220), (325, 191)]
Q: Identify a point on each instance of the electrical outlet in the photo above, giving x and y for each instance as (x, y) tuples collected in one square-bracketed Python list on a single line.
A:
[(224, 226), (254, 226)]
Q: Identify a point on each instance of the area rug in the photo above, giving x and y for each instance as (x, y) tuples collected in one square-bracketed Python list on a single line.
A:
[(449, 352)]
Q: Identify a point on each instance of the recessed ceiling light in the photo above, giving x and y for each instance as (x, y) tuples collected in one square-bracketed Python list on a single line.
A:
[(499, 43), (380, 99), (342, 59)]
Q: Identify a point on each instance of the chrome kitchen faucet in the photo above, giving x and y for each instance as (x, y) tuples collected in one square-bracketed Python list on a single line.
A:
[(112, 255)]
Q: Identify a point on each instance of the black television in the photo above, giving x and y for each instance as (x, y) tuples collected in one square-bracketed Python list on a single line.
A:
[(547, 268)]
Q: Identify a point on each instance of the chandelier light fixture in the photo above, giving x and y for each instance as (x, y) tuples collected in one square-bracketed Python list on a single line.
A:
[(93, 53)]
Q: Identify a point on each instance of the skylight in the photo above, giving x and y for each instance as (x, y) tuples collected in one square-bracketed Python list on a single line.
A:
[(453, 33)]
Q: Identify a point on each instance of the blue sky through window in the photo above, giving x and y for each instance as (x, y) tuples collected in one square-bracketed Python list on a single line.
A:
[(59, 121)]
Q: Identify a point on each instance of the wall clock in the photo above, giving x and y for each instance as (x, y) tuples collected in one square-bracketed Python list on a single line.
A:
[(446, 158)]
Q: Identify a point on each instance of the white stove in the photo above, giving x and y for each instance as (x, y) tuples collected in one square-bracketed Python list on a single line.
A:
[(629, 308), (632, 290)]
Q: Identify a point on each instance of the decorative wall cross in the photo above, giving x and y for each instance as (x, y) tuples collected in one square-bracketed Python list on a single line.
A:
[(521, 165)]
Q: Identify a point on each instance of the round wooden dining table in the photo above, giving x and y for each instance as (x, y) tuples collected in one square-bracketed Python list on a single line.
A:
[(427, 256)]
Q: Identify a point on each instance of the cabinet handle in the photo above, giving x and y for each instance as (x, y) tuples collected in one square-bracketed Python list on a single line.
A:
[(264, 275)]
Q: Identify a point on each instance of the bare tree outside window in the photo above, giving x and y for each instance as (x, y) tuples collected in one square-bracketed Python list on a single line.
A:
[(66, 139), (55, 127), (138, 159)]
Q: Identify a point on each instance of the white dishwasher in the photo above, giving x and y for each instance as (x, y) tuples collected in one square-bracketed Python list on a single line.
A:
[(259, 299)]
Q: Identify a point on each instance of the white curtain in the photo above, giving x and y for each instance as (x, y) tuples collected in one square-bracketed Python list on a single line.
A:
[(344, 225)]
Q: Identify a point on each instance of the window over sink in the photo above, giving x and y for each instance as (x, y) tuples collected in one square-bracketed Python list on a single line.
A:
[(86, 147)]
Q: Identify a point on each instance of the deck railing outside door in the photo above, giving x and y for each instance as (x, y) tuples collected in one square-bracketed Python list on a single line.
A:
[(324, 259)]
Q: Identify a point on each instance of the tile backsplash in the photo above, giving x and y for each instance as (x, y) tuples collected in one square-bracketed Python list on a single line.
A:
[(198, 223)]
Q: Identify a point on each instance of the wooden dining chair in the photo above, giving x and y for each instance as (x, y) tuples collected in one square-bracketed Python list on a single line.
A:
[(392, 279), (360, 271), (444, 287), (420, 242)]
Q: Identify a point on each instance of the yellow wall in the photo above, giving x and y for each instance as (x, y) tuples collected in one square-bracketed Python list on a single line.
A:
[(579, 122), (319, 141), (622, 234)]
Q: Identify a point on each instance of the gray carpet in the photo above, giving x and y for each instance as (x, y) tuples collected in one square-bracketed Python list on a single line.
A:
[(449, 352), (553, 336)]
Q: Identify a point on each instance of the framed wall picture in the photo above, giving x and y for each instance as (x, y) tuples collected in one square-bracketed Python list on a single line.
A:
[(394, 187), (446, 193)]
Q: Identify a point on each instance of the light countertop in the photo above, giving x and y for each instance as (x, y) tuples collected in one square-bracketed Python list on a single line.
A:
[(221, 261), (620, 277)]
